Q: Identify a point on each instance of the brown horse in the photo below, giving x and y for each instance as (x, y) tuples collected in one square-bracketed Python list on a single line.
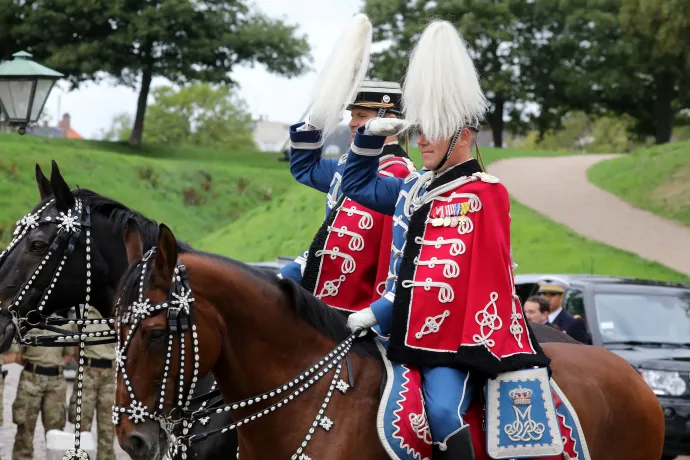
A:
[(256, 333)]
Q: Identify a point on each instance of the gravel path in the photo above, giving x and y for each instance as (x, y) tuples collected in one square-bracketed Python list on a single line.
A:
[(558, 188), (9, 429)]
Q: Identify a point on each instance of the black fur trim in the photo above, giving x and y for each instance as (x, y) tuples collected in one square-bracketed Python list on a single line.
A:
[(476, 358), (463, 169), (311, 269), (394, 149)]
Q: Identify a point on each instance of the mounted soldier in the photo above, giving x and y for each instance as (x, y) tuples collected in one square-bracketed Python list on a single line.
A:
[(346, 265), (451, 309)]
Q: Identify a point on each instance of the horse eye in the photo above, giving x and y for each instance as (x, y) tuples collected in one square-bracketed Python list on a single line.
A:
[(155, 334), (38, 246)]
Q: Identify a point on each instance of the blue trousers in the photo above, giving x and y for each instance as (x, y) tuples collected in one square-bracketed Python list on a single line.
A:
[(447, 393), (292, 270)]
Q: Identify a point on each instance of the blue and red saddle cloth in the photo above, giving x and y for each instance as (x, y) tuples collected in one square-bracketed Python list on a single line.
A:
[(523, 414)]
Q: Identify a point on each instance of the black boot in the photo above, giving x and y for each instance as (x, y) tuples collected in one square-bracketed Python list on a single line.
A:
[(458, 446)]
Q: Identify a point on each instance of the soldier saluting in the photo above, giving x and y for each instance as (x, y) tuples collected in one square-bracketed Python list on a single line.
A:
[(346, 265), (451, 309)]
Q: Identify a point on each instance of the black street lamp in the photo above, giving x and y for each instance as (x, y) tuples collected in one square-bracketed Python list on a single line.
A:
[(24, 89)]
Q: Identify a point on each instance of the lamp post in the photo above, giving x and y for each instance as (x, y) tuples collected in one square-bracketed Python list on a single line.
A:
[(24, 89)]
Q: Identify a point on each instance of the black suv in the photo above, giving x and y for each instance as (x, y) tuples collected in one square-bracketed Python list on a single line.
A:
[(648, 324)]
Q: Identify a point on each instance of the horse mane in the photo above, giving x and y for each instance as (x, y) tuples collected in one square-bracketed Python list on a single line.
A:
[(120, 217), (328, 321)]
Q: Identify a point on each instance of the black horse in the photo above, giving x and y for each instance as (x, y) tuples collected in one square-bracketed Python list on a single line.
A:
[(109, 221)]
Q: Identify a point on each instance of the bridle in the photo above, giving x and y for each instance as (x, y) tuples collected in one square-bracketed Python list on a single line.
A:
[(180, 319), (71, 226)]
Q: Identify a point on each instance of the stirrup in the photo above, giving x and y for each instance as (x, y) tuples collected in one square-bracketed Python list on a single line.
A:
[(458, 446)]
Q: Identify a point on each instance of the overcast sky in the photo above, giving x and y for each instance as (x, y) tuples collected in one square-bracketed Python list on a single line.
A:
[(92, 107)]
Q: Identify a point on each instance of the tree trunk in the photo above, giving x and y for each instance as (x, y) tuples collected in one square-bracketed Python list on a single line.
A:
[(495, 119), (138, 130), (663, 106)]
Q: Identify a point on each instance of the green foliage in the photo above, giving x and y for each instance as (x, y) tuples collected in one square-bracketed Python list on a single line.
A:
[(581, 133), (667, 22), (120, 128), (655, 179), (488, 27), (198, 114), (135, 40), (603, 57)]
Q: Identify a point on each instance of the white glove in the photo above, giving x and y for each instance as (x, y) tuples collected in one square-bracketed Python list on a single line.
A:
[(385, 126), (306, 127), (363, 319)]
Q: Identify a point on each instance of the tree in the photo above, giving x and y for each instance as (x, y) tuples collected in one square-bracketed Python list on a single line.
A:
[(488, 27), (605, 64), (120, 129), (136, 40), (664, 29), (200, 114)]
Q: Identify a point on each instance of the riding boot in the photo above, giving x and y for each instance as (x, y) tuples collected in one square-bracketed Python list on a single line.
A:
[(458, 446)]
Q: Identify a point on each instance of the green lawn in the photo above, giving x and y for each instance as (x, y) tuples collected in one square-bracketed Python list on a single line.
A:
[(154, 186), (252, 209), (285, 227), (655, 179)]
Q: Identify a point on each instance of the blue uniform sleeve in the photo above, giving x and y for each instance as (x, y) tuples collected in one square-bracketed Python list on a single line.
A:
[(306, 164), (295, 269), (383, 311), (361, 180)]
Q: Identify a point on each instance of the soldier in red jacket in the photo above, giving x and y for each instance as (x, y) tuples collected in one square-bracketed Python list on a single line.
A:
[(347, 263), (451, 308)]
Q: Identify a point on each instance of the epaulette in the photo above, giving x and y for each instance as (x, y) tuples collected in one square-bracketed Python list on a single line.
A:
[(488, 178)]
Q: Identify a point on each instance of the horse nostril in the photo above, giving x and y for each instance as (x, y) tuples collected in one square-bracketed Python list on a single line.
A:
[(136, 446)]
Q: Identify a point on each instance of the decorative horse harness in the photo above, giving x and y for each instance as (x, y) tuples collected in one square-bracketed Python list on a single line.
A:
[(180, 319), (70, 228)]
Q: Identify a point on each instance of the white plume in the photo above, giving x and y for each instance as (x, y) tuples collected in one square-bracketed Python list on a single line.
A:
[(342, 75), (441, 92)]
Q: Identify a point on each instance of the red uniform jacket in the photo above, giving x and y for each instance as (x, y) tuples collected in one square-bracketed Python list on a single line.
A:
[(347, 265)]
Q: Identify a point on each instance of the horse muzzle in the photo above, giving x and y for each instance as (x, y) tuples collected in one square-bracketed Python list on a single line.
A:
[(144, 442)]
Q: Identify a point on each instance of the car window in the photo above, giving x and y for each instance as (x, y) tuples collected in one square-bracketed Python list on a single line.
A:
[(574, 302), (525, 290), (644, 317)]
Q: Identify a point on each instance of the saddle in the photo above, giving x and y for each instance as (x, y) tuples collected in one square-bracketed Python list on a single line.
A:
[(522, 414)]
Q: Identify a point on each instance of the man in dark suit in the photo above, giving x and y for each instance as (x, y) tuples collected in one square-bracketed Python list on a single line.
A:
[(554, 291), (537, 310)]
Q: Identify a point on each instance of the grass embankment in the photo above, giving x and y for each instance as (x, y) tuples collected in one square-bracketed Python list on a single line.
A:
[(285, 227), (655, 179), (184, 188), (246, 205)]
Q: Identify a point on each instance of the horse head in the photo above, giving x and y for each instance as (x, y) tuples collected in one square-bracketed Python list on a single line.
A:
[(159, 360), (182, 314), (60, 250)]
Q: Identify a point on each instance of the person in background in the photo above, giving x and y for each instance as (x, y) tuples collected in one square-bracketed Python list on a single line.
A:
[(98, 390), (553, 289), (537, 309), (347, 263), (42, 388)]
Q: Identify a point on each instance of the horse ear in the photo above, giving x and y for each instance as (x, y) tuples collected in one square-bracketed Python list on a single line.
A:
[(166, 255), (44, 188), (64, 200), (133, 243)]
